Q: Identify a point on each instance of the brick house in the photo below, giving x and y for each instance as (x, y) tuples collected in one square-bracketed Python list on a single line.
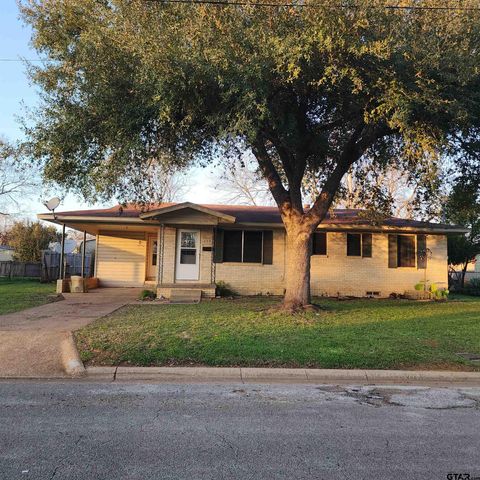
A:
[(186, 245)]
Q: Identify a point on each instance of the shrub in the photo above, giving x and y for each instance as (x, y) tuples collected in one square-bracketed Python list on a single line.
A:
[(224, 289), (419, 287), (148, 295), (472, 287)]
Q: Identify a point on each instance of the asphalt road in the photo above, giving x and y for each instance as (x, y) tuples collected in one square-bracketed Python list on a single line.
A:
[(128, 431)]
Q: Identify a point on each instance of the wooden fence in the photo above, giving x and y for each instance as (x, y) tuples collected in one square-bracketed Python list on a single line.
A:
[(12, 269), (48, 269)]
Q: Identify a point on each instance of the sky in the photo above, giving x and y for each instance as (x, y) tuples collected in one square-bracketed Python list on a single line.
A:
[(17, 95)]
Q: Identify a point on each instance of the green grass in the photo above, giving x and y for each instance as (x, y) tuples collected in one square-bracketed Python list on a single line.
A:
[(18, 294), (243, 332)]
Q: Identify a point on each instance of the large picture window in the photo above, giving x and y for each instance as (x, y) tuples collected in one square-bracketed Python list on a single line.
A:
[(244, 246)]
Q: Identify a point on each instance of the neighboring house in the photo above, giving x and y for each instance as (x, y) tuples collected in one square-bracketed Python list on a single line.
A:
[(187, 245), (6, 253)]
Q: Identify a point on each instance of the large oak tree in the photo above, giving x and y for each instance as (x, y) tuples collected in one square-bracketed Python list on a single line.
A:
[(310, 89)]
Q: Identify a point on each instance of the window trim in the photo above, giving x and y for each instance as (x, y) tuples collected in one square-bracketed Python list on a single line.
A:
[(243, 247)]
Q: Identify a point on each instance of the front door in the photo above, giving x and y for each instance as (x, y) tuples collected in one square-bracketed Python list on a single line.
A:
[(188, 255), (152, 260)]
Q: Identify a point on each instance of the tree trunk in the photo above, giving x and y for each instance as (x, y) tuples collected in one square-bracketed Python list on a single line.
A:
[(297, 268), (462, 277)]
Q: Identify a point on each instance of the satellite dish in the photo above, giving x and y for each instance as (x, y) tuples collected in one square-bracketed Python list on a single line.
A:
[(52, 204)]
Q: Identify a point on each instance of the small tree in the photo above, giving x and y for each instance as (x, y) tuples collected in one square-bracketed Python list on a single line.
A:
[(309, 89), (16, 182), (29, 239), (463, 208)]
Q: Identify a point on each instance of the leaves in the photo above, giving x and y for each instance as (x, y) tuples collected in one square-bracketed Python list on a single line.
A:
[(128, 82)]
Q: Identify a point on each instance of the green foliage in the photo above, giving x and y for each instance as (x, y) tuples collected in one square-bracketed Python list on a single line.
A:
[(419, 286), (309, 90), (148, 295), (223, 289), (463, 208), (472, 287), (30, 238)]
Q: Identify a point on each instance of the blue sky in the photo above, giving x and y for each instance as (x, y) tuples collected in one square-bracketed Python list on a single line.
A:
[(16, 93)]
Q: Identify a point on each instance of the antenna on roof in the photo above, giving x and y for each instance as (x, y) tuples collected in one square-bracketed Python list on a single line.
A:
[(52, 204)]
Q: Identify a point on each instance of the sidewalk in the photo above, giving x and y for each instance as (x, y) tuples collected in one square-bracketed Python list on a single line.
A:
[(278, 375), (38, 343)]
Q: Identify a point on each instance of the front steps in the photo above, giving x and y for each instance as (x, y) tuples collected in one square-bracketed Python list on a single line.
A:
[(186, 292)]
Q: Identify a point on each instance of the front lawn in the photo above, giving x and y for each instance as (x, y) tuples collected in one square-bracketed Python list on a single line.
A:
[(242, 332), (18, 294)]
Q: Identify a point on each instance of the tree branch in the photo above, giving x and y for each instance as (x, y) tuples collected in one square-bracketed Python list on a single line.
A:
[(362, 137), (270, 173)]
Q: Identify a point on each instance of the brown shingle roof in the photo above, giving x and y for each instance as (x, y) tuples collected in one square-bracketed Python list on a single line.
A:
[(260, 215)]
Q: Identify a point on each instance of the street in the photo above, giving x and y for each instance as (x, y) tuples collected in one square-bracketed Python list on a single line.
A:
[(81, 430)]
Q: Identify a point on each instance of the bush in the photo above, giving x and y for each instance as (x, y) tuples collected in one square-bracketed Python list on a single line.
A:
[(224, 289), (472, 287), (148, 295)]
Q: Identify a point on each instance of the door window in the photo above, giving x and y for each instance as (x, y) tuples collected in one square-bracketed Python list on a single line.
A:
[(188, 251), (154, 252)]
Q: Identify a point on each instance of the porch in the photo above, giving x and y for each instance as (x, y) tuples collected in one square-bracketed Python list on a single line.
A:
[(168, 251)]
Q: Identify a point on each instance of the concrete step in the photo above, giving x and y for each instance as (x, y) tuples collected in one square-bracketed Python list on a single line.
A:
[(185, 295)]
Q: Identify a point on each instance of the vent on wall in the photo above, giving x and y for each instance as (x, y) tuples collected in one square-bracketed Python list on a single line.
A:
[(373, 294)]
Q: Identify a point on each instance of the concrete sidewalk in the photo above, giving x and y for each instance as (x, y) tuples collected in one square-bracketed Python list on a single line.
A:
[(279, 375), (38, 343), (76, 311)]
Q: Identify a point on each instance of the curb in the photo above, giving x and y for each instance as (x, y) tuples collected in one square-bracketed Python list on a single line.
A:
[(276, 375), (71, 361)]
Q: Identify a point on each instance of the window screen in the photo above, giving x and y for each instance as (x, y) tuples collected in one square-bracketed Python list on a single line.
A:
[(406, 250), (232, 246), (354, 245), (319, 246), (252, 246)]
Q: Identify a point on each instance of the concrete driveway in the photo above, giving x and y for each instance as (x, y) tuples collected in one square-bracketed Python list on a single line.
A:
[(32, 341)]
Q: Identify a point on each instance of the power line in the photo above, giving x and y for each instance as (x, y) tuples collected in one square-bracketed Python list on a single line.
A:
[(237, 3), (21, 60)]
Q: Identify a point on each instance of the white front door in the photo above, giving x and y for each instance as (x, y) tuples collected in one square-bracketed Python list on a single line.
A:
[(188, 255)]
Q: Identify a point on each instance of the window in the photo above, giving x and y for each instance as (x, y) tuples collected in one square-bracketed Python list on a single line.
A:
[(252, 247), (154, 252), (354, 244), (319, 243), (242, 246), (359, 245), (405, 250), (232, 245)]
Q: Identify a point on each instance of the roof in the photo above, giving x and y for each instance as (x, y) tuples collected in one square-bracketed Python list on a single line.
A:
[(246, 214), (6, 247)]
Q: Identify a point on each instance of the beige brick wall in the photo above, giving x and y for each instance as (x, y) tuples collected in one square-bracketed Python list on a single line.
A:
[(122, 262), (253, 278), (336, 273)]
